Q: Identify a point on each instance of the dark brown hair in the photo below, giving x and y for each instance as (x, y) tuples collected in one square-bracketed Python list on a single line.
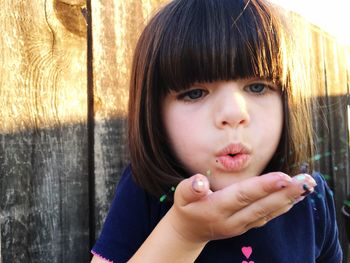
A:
[(202, 41)]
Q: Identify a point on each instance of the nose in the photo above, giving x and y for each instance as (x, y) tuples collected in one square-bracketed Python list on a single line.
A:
[(231, 110)]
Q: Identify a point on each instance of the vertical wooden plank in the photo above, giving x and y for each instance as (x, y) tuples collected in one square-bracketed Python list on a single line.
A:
[(335, 68), (116, 28), (327, 67), (332, 158), (322, 156), (43, 165)]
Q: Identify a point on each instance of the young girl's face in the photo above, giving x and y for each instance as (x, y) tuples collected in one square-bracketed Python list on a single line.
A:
[(231, 128)]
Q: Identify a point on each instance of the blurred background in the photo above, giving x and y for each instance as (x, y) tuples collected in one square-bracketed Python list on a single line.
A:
[(64, 77)]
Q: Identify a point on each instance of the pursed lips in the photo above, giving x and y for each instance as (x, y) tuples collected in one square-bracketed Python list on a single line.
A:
[(234, 157), (234, 149)]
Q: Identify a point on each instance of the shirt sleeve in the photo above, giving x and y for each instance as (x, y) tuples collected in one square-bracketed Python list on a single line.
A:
[(126, 225), (331, 251)]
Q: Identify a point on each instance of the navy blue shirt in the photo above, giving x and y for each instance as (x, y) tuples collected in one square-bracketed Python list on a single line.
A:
[(305, 234)]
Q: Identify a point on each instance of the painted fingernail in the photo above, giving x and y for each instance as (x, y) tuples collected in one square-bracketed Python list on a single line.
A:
[(299, 178), (198, 185), (304, 178), (307, 190)]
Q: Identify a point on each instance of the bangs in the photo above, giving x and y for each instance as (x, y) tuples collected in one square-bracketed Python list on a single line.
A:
[(218, 40)]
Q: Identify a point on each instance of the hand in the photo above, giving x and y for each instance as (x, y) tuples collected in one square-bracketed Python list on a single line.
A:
[(200, 215)]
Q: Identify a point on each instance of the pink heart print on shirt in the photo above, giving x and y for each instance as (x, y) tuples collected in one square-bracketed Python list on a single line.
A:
[(247, 251)]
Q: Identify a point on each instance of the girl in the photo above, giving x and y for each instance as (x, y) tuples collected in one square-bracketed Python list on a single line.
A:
[(217, 110)]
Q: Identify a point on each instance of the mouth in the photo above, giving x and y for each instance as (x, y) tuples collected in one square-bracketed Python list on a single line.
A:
[(233, 149), (234, 157)]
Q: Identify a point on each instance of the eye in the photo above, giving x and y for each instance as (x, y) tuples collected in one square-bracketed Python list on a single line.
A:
[(192, 95), (259, 88)]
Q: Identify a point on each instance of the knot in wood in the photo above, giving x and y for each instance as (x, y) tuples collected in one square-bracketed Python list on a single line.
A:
[(69, 13)]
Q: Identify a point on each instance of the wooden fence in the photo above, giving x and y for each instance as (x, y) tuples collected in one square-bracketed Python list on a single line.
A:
[(63, 96)]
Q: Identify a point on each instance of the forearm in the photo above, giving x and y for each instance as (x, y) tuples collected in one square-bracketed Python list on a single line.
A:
[(165, 244)]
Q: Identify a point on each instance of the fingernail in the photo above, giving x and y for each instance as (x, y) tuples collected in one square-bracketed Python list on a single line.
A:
[(299, 178), (198, 185), (307, 190), (304, 178)]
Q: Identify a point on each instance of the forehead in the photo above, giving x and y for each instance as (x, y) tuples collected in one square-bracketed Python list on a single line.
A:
[(205, 41)]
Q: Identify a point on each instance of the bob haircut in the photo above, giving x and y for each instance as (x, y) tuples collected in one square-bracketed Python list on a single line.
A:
[(191, 41)]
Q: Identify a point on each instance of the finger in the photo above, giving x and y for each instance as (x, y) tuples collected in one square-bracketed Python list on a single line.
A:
[(239, 195), (258, 223), (305, 180), (265, 219), (260, 212), (191, 189)]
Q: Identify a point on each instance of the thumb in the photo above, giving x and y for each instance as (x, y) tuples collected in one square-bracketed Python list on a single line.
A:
[(191, 189)]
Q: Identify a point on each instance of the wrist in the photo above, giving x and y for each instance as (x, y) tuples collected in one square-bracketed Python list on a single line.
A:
[(185, 232), (167, 244)]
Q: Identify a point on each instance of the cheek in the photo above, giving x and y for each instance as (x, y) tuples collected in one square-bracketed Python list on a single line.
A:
[(276, 114), (280, 119), (180, 132), (184, 135), (276, 124), (180, 122), (173, 123), (271, 124)]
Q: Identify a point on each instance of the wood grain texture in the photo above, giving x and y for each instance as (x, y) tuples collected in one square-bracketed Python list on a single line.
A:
[(43, 186), (330, 120), (337, 101), (116, 28)]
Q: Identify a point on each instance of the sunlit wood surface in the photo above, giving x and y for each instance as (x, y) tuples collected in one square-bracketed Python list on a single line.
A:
[(43, 64), (116, 27), (44, 213), (61, 157)]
